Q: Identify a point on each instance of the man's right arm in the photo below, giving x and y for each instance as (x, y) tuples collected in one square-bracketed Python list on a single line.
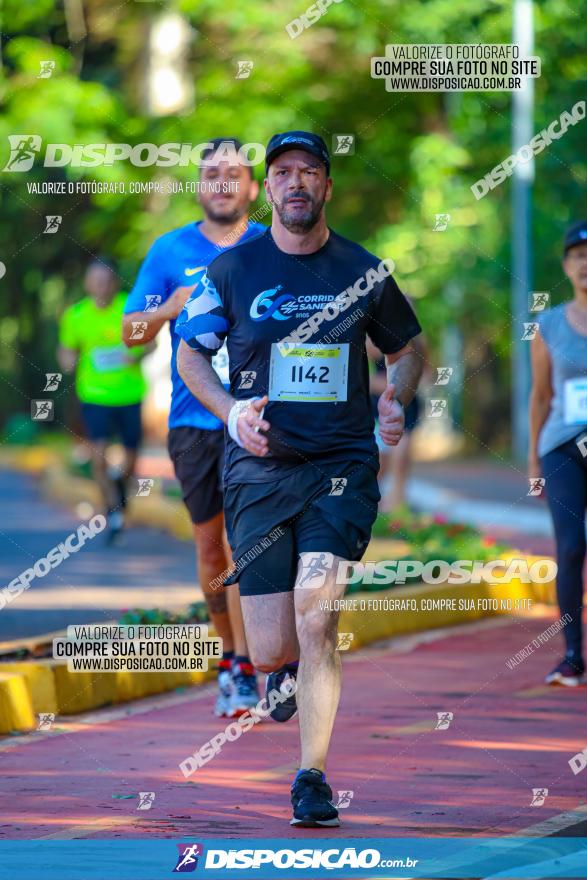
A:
[(154, 284), (200, 377)]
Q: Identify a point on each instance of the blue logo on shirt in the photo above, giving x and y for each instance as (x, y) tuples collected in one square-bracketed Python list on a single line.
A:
[(273, 308)]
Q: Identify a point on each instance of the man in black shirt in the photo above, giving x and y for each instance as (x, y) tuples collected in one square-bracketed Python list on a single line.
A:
[(295, 305)]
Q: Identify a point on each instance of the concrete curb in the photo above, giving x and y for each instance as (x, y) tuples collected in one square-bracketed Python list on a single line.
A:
[(37, 686)]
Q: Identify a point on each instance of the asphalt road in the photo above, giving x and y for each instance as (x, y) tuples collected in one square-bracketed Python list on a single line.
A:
[(149, 569)]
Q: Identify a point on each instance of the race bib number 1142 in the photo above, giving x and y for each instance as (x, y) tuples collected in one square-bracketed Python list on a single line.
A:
[(309, 374)]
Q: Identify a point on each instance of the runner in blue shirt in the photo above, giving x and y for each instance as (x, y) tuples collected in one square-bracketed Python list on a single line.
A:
[(295, 306), (172, 267)]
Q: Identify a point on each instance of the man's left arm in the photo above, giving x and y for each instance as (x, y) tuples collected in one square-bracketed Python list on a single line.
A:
[(404, 369), (395, 330)]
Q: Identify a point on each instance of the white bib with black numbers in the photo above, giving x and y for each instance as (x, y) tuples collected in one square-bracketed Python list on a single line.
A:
[(309, 373), (575, 401)]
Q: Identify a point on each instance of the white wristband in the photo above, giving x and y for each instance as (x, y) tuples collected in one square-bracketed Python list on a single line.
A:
[(237, 408)]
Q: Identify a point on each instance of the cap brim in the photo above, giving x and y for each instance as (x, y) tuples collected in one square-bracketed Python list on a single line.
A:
[(286, 148)]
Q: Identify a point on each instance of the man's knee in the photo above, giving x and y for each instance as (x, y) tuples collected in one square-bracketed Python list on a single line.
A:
[(211, 551), (316, 628), (269, 656), (212, 557)]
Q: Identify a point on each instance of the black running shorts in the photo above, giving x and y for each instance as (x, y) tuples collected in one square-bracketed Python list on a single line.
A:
[(269, 524), (198, 460)]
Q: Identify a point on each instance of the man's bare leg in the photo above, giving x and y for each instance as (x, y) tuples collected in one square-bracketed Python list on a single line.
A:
[(319, 673), (270, 628), (212, 562)]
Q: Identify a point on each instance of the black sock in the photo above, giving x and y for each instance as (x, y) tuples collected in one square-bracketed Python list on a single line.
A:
[(228, 655), (292, 667), (241, 658)]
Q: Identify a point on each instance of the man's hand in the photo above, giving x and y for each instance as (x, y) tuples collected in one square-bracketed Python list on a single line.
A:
[(391, 417), (249, 426), (173, 306)]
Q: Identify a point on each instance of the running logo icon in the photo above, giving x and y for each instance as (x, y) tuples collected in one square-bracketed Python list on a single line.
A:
[(244, 69), (539, 301), (315, 567), (23, 149), (344, 799), (444, 719), (52, 381), (152, 302), (536, 485), (138, 329), (530, 328), (187, 860), (437, 408), (443, 375), (539, 795), (247, 379), (46, 719), (343, 144), (52, 223), (146, 800), (344, 640), (272, 304), (145, 487), (47, 68), (338, 485), (42, 410), (441, 222)]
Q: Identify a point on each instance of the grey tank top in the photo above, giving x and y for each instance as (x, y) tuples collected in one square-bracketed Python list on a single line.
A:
[(568, 353)]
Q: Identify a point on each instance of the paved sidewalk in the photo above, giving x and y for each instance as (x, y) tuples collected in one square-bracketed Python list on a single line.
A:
[(509, 735)]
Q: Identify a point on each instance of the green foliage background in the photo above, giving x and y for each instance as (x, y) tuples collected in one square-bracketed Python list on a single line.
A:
[(416, 155)]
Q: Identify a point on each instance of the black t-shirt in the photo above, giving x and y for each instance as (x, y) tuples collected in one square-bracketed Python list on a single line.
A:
[(295, 328)]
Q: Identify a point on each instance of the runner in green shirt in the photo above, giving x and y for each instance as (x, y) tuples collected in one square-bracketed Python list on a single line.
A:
[(109, 381)]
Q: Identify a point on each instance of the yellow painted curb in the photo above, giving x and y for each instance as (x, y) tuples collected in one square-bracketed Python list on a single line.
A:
[(373, 616), (30, 459), (16, 710), (81, 691), (40, 684)]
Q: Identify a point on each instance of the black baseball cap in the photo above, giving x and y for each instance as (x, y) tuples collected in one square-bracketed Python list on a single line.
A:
[(575, 234), (297, 140)]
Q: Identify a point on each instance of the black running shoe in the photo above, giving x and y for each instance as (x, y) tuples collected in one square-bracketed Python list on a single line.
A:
[(282, 681), (569, 672), (311, 798)]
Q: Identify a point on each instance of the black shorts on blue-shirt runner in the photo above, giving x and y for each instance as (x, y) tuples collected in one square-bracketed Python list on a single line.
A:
[(198, 459), (269, 524)]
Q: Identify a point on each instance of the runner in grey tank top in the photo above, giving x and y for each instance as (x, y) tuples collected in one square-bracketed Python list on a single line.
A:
[(558, 443), (567, 348)]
